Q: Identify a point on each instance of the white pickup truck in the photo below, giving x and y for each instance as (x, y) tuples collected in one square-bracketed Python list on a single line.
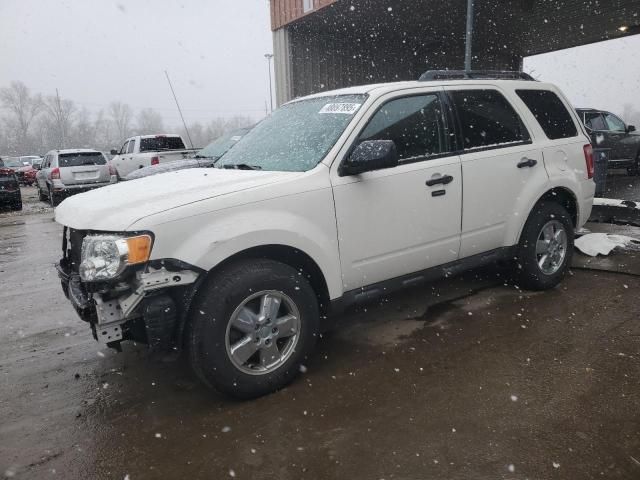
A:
[(335, 199), (144, 150)]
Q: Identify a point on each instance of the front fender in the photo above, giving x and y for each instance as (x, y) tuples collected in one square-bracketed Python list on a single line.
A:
[(305, 222)]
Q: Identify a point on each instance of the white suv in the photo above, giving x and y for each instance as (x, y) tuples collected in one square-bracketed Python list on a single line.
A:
[(336, 198)]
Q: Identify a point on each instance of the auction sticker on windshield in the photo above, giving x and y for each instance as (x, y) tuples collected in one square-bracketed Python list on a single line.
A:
[(347, 108)]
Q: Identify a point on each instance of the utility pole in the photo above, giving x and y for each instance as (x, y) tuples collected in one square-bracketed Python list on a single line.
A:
[(469, 36), (269, 56)]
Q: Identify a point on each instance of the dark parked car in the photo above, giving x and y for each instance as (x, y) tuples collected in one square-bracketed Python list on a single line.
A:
[(205, 158), (9, 190), (609, 131)]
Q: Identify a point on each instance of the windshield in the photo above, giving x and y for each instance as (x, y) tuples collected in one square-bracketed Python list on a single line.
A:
[(297, 136), (155, 144), (12, 162), (79, 159), (219, 146)]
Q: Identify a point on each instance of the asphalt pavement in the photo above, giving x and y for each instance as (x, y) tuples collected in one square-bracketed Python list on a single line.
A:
[(464, 378)]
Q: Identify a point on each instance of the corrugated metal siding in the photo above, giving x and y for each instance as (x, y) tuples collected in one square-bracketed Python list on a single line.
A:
[(387, 40), (284, 12)]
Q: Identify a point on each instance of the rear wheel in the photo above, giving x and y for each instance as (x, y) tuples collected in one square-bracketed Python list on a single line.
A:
[(635, 169), (252, 326), (17, 205), (546, 247), (54, 199), (41, 196)]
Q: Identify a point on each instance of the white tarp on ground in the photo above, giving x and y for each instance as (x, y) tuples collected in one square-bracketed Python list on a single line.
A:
[(594, 244)]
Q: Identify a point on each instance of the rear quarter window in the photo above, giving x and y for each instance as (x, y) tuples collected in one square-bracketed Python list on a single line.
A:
[(550, 112)]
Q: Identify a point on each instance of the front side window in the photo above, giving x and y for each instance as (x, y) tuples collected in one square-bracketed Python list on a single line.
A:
[(487, 119), (296, 137), (594, 121), (550, 112), (132, 144), (124, 148), (614, 123), (415, 124)]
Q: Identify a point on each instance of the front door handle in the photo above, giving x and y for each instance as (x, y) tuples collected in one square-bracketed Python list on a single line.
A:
[(443, 180), (527, 162)]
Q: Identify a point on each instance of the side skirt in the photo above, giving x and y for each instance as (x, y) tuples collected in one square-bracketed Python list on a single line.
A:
[(371, 292)]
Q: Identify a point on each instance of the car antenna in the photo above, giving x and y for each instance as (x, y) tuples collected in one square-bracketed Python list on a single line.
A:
[(179, 110)]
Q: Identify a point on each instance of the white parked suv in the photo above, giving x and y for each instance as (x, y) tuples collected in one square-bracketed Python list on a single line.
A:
[(336, 198)]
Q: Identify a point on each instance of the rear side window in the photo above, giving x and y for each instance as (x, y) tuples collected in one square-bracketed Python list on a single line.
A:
[(487, 119), (80, 159), (550, 112), (415, 124), (155, 144)]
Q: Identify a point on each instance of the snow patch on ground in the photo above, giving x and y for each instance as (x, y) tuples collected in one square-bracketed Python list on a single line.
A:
[(614, 202), (594, 244)]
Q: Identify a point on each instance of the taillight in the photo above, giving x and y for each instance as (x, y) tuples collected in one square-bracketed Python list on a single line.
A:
[(155, 160), (588, 158), (55, 174)]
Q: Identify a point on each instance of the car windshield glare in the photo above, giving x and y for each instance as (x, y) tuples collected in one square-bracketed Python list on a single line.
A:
[(297, 136)]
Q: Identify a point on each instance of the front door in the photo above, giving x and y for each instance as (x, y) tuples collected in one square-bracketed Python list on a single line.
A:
[(400, 220)]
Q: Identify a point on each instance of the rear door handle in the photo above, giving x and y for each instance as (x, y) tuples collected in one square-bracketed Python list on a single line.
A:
[(527, 162), (443, 180)]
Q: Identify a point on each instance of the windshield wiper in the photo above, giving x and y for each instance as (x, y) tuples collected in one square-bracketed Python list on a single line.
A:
[(241, 166)]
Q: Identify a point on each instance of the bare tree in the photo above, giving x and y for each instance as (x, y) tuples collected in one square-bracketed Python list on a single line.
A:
[(121, 115), (149, 122), (23, 108), (60, 112)]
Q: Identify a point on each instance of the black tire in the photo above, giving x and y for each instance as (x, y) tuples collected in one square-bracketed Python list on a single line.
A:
[(212, 312), (54, 200), (41, 196), (529, 274), (17, 206), (634, 171)]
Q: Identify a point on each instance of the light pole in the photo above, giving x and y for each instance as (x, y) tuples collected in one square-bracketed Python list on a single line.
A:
[(269, 56)]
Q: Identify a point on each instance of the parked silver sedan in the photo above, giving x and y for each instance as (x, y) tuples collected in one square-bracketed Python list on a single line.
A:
[(65, 172)]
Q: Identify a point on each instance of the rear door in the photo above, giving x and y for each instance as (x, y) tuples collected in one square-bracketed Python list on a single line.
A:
[(83, 168), (624, 146), (43, 173), (500, 166)]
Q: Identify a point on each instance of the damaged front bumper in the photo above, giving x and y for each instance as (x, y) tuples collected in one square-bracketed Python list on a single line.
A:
[(149, 306)]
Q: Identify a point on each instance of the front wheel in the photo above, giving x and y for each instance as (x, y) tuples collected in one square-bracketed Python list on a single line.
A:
[(252, 326), (546, 247)]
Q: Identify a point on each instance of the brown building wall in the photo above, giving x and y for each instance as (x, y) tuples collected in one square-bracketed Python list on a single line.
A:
[(284, 12)]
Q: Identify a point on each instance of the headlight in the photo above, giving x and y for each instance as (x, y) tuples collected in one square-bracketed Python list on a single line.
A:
[(105, 256)]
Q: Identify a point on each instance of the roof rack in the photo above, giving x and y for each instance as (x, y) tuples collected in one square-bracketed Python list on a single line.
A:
[(431, 75)]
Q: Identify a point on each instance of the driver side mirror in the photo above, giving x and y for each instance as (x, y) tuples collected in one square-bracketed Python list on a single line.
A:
[(370, 155), (631, 128), (114, 152)]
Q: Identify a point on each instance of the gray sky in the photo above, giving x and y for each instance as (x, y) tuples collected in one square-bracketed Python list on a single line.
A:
[(97, 51)]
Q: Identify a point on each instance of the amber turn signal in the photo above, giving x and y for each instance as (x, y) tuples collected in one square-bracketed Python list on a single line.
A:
[(139, 249)]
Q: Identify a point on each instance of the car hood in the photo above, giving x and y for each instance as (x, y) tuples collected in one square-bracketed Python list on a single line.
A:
[(117, 207)]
